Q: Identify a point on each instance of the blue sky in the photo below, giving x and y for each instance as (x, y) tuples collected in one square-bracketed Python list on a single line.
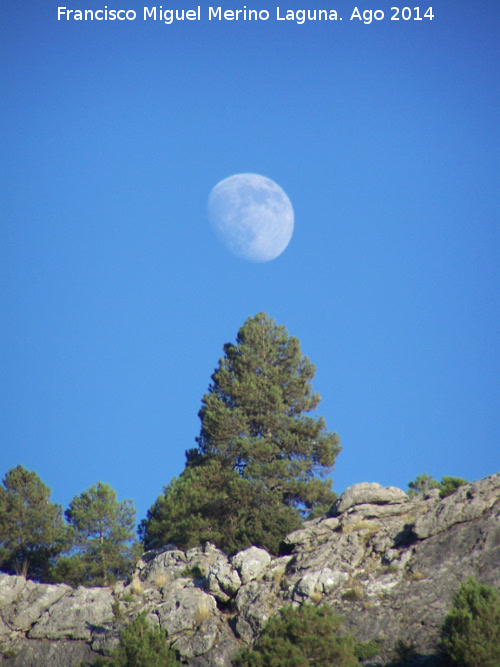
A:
[(116, 297)]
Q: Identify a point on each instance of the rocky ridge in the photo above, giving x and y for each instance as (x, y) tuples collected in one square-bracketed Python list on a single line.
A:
[(387, 563)]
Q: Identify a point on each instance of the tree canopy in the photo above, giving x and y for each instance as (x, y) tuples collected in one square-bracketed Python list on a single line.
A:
[(101, 533), (261, 458), (32, 531)]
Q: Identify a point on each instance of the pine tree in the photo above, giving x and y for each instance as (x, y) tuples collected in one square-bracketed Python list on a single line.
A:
[(141, 646), (422, 484), (449, 485), (300, 637), (32, 531), (102, 532), (470, 636), (213, 503), (260, 456)]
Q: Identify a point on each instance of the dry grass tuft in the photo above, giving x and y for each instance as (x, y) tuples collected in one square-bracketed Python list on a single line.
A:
[(137, 587), (316, 597), (363, 524), (353, 594), (414, 575), (161, 579), (278, 574), (202, 613)]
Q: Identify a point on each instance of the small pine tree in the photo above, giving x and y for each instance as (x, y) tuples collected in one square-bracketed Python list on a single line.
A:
[(422, 484), (141, 646), (425, 482), (470, 635), (32, 531), (102, 531), (449, 485), (300, 637)]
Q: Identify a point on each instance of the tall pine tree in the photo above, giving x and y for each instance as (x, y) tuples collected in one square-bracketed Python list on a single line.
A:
[(261, 458)]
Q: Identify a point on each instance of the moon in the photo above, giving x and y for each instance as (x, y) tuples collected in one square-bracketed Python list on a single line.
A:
[(252, 216)]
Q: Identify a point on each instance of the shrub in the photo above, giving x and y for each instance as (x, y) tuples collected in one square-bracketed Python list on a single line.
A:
[(425, 482), (449, 485), (117, 610), (367, 650), (300, 637), (405, 653), (353, 594), (193, 572), (141, 646), (470, 635)]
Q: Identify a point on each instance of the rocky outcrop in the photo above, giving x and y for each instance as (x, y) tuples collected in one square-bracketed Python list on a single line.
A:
[(387, 563), (368, 493)]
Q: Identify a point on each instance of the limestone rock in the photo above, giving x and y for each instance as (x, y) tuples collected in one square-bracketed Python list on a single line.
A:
[(329, 523), (75, 615), (251, 563), (221, 652), (319, 582), (161, 566), (253, 603), (199, 642), (4, 630), (222, 580), (469, 502), (10, 588), (185, 609), (104, 640), (301, 536), (204, 557), (277, 569), (313, 533), (343, 552), (38, 653), (367, 493), (30, 601)]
